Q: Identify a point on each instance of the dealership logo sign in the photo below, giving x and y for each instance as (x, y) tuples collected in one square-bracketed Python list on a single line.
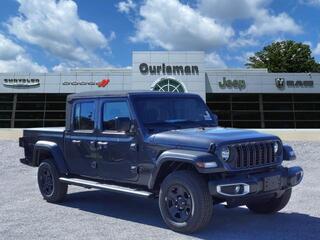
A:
[(236, 84), (168, 69), (281, 83), (103, 83), (21, 82)]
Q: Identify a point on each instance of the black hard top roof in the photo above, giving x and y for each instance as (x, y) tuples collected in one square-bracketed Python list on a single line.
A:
[(101, 94)]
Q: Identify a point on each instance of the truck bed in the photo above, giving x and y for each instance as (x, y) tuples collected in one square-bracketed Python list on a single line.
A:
[(45, 129), (33, 135)]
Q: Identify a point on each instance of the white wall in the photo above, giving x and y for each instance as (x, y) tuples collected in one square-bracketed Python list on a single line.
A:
[(194, 83)]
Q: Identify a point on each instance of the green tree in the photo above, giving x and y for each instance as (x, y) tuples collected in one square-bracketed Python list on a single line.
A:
[(285, 56)]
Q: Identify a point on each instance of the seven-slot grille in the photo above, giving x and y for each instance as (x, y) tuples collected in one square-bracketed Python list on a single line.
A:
[(252, 155)]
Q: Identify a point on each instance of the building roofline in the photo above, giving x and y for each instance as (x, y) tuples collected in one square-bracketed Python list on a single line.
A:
[(129, 69), (262, 70)]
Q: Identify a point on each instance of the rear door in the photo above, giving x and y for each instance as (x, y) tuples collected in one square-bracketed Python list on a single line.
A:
[(117, 151), (80, 140)]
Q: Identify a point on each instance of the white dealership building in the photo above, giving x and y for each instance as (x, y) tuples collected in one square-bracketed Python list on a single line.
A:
[(251, 98)]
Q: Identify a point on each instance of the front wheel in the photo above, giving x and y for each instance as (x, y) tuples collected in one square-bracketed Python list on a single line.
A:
[(185, 203), (270, 205), (50, 186)]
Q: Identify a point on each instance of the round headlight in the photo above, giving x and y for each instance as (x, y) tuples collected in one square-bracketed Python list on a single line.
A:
[(225, 153), (276, 147)]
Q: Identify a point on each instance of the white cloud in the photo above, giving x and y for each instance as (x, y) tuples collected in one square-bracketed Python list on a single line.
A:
[(264, 23), (14, 59), (311, 2), (316, 51), (308, 43), (8, 49), (230, 9), (214, 60), (244, 57), (21, 64), (172, 25), (243, 41), (267, 24), (61, 67), (126, 6), (56, 27)]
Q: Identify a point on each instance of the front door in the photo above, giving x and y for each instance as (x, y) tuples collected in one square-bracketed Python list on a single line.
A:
[(80, 140), (116, 151)]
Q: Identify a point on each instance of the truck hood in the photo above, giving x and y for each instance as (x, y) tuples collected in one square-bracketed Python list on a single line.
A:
[(202, 138)]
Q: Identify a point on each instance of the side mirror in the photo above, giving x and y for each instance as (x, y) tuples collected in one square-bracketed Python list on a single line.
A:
[(122, 124)]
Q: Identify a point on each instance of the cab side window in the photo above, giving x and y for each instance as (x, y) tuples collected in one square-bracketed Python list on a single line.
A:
[(113, 110), (83, 116)]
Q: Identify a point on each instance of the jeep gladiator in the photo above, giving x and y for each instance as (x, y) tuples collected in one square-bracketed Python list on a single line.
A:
[(166, 146)]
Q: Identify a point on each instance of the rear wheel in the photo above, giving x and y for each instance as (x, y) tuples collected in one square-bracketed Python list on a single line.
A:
[(49, 184), (270, 205), (185, 203)]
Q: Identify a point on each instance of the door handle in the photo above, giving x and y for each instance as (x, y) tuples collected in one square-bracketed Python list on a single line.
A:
[(76, 141)]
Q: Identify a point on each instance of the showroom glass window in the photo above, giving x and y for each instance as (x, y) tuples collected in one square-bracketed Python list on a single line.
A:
[(169, 85), (113, 110), (84, 116)]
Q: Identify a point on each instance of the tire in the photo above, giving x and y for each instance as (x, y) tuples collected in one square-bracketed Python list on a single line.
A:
[(49, 184), (271, 205), (191, 212)]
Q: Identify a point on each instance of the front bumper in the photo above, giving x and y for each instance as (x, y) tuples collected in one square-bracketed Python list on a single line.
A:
[(252, 185)]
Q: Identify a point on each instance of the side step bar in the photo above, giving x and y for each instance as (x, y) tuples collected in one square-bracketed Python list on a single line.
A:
[(106, 187)]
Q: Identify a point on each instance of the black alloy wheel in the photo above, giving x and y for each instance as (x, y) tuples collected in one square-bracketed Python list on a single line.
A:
[(179, 203), (51, 188), (185, 202), (46, 183)]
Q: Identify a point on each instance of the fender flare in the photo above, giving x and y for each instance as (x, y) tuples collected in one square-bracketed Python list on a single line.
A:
[(288, 153), (178, 155), (54, 150)]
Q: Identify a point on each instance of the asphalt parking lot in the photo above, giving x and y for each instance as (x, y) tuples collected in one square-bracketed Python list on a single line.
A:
[(91, 214)]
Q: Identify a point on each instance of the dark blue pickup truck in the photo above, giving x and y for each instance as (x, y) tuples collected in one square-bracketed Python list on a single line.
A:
[(161, 145)]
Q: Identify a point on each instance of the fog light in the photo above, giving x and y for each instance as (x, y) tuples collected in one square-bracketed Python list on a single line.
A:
[(233, 189)]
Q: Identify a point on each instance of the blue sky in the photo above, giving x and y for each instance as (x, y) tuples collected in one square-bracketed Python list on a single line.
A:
[(52, 35)]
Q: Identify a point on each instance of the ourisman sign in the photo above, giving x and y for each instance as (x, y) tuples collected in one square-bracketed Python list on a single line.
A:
[(168, 69)]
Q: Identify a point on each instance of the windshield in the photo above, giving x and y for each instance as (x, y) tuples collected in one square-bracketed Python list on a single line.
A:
[(173, 112)]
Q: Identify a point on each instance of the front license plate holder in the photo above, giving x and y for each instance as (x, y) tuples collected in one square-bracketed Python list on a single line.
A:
[(272, 183)]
